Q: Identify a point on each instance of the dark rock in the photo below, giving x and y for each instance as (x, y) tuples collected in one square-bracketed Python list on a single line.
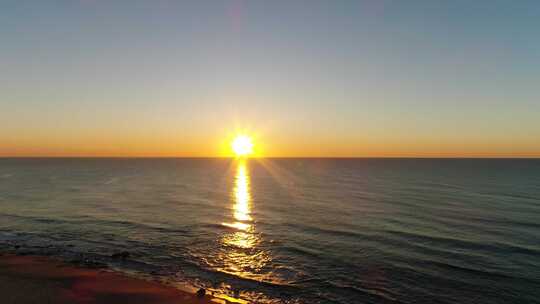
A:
[(88, 263), (120, 255), (94, 264), (201, 292)]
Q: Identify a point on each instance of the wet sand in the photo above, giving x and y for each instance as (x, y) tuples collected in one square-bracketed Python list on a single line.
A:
[(34, 279)]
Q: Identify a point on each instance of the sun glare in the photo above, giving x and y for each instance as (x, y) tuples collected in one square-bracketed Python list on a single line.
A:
[(242, 146)]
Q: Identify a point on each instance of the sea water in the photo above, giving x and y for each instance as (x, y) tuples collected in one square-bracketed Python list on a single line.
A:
[(290, 230)]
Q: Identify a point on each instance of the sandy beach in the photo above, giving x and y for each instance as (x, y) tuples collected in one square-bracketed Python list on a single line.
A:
[(36, 279)]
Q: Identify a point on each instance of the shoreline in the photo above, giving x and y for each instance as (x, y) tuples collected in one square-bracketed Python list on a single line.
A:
[(42, 279)]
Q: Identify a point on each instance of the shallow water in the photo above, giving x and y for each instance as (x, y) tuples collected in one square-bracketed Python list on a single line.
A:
[(291, 230)]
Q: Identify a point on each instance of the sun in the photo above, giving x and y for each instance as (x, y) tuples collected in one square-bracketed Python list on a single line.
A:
[(242, 146)]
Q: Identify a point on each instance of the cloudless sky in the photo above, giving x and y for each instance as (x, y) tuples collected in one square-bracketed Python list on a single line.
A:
[(305, 78)]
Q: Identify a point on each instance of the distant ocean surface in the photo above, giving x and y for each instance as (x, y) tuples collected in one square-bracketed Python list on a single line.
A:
[(290, 230)]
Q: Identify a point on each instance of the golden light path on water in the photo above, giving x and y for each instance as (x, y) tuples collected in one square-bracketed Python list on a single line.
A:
[(241, 254), (242, 199)]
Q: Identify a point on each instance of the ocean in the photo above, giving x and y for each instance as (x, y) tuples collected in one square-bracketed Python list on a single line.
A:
[(289, 230)]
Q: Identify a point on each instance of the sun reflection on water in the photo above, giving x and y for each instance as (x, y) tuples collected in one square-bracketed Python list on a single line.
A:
[(241, 254), (241, 207), (242, 199)]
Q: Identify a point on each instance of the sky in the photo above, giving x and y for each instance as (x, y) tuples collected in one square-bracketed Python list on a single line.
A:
[(303, 78)]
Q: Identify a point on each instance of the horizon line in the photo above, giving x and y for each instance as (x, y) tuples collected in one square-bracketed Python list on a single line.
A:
[(270, 157)]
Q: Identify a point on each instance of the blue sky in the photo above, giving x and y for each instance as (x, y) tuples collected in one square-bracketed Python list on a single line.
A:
[(307, 78)]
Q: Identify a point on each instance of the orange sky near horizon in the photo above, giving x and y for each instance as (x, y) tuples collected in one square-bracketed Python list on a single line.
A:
[(265, 146)]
